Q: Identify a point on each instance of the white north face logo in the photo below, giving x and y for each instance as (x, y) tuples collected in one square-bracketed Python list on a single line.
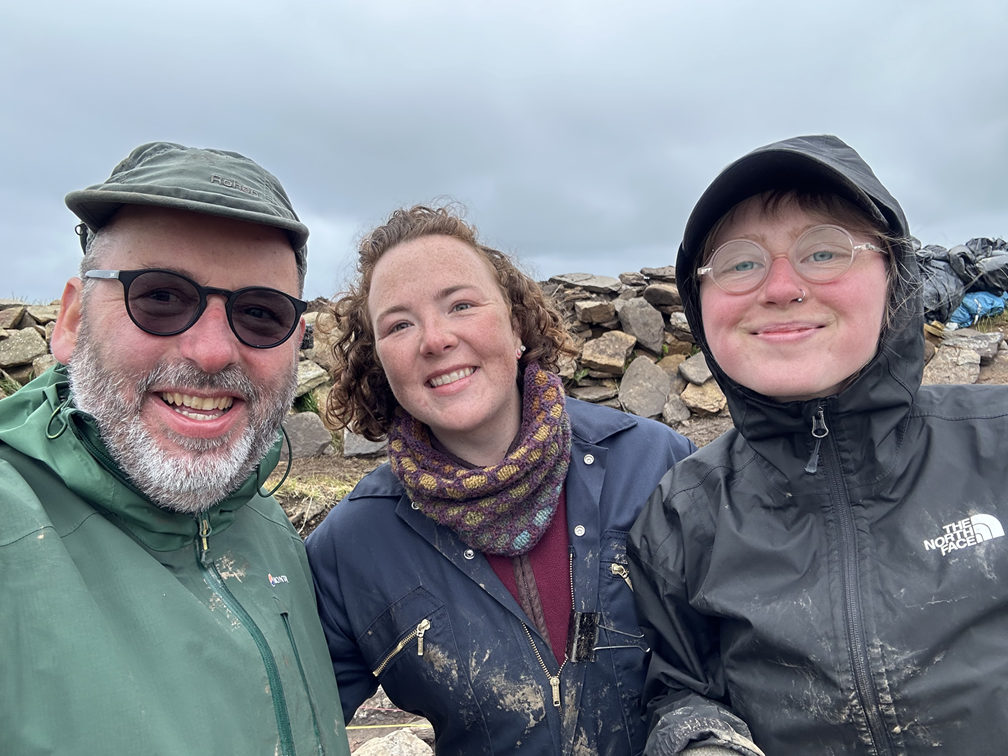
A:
[(968, 532)]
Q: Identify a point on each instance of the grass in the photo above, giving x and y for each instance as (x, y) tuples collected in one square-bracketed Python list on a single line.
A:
[(7, 384), (996, 323), (308, 498), (307, 403), (316, 487)]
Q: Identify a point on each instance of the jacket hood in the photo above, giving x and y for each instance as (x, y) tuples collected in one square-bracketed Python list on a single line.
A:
[(41, 422), (889, 382)]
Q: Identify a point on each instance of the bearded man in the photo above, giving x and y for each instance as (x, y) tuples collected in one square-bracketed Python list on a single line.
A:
[(154, 599)]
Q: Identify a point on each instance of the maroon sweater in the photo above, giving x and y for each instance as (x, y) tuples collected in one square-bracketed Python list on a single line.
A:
[(550, 559)]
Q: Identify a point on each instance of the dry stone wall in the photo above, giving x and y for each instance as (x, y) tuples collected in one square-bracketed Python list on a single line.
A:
[(25, 331), (635, 349)]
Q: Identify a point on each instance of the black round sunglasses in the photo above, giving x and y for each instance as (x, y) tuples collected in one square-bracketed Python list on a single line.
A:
[(166, 303)]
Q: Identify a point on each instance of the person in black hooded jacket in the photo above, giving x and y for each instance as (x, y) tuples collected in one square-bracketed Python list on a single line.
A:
[(830, 576)]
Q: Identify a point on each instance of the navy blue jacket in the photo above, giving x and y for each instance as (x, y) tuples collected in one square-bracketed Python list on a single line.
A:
[(385, 573)]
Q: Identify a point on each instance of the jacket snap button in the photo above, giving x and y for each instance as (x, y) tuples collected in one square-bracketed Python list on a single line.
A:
[(468, 553), (414, 505), (579, 530), (589, 458)]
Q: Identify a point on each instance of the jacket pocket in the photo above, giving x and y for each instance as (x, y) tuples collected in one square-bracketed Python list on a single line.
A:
[(621, 636), (285, 617), (619, 615), (416, 634), (401, 629), (411, 650), (616, 597)]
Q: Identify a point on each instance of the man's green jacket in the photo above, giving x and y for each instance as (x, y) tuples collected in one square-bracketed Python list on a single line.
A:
[(128, 629)]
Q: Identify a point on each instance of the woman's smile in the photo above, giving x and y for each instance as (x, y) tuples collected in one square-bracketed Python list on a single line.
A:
[(451, 377), (785, 332)]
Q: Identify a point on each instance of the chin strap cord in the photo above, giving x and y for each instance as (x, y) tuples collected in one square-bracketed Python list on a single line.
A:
[(290, 460)]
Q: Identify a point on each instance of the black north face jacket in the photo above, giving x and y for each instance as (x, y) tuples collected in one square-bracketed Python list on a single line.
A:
[(858, 609)]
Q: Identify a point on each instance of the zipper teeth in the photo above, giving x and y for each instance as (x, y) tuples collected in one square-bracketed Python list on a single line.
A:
[(570, 568), (542, 663), (399, 647), (855, 629)]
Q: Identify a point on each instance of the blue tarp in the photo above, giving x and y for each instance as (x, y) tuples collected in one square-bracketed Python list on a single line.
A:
[(976, 305)]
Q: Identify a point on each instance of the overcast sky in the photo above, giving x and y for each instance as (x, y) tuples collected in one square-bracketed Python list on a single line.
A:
[(578, 134)]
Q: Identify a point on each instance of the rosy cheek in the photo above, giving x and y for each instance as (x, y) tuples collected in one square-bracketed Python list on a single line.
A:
[(713, 313)]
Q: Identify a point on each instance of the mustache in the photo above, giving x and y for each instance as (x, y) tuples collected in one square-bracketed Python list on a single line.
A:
[(230, 379)]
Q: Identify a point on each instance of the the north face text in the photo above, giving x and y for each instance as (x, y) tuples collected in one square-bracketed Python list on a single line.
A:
[(965, 533)]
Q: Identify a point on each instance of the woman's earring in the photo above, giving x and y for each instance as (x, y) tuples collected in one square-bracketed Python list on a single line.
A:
[(801, 298), (519, 352)]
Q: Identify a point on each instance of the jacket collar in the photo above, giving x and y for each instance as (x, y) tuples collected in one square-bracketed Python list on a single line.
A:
[(41, 422), (594, 427)]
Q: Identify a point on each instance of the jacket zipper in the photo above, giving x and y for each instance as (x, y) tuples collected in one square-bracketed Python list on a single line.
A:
[(819, 432), (867, 694), (621, 571), (418, 633), (554, 680), (216, 583)]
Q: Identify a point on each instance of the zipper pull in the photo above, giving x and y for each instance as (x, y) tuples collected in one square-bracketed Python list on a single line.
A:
[(204, 533), (555, 685), (619, 569), (819, 432), (422, 628)]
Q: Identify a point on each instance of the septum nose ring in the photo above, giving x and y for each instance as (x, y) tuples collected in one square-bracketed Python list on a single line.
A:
[(802, 297)]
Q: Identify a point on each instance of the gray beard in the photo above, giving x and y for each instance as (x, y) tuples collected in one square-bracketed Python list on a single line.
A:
[(198, 472)]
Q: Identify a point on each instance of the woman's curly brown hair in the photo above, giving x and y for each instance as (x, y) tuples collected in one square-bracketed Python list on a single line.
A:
[(361, 398)]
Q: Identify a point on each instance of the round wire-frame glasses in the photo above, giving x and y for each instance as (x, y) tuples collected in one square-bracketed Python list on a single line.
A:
[(823, 253)]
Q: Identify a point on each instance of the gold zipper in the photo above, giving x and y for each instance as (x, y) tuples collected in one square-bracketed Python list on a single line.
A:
[(418, 633), (420, 630), (619, 569), (554, 680)]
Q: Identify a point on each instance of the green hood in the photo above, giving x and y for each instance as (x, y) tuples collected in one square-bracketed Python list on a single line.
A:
[(41, 422)]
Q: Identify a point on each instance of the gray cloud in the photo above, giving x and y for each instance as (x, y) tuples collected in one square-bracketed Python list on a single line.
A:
[(579, 134)]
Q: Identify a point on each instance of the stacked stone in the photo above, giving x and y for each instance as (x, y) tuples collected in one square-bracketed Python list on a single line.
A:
[(315, 363), (964, 356), (636, 351), (25, 331), (308, 435)]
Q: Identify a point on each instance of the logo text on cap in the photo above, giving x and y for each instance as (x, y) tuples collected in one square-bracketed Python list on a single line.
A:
[(232, 184)]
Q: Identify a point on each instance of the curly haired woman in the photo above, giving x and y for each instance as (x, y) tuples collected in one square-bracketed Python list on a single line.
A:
[(480, 576)]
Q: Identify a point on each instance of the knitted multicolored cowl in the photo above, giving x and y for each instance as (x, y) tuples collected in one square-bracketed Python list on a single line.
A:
[(505, 508)]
